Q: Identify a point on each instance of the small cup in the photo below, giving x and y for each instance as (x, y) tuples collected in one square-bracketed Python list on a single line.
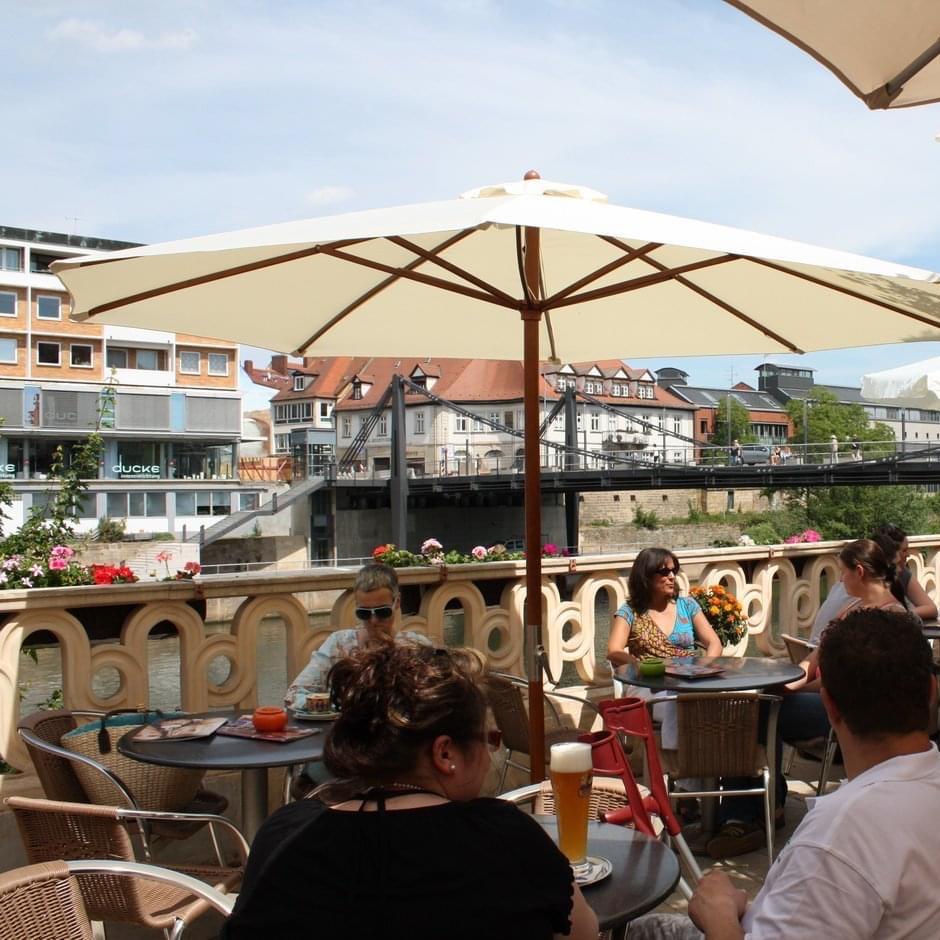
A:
[(269, 718), (652, 666), (317, 702)]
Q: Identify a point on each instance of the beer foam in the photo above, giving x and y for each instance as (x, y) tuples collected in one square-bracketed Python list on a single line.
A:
[(571, 758)]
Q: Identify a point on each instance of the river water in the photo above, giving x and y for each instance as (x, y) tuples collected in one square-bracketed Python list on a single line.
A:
[(41, 679)]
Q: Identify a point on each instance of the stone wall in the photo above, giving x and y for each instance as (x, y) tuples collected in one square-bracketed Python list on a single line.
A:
[(629, 538), (620, 507)]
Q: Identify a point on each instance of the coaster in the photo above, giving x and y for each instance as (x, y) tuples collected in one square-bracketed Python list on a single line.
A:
[(592, 870)]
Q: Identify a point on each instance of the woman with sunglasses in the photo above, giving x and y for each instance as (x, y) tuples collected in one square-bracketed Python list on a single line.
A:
[(402, 845), (377, 602), (655, 621)]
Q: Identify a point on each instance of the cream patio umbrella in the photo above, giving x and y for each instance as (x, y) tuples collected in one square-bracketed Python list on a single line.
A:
[(885, 51), (586, 278)]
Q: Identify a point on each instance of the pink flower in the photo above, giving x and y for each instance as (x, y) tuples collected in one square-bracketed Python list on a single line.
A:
[(550, 550), (811, 535), (791, 540), (164, 556), (431, 547), (62, 551), (57, 563), (479, 553)]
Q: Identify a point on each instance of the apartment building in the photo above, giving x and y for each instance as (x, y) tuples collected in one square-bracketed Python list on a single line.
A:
[(167, 405)]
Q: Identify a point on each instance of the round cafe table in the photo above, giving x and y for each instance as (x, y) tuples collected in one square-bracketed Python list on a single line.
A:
[(739, 674), (644, 873), (221, 752)]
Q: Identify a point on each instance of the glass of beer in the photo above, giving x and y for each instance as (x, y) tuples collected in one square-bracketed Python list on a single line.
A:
[(570, 770)]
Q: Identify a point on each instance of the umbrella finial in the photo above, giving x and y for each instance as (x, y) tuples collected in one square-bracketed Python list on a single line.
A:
[(532, 175)]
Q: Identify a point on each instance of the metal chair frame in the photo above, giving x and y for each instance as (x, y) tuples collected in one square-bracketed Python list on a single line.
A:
[(144, 818)]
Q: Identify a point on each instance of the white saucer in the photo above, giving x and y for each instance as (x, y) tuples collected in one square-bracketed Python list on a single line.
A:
[(313, 716), (592, 870)]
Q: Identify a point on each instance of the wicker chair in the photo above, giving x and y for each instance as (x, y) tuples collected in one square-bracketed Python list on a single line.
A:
[(505, 696), (53, 830), (42, 733), (43, 902), (606, 794), (718, 737), (823, 749)]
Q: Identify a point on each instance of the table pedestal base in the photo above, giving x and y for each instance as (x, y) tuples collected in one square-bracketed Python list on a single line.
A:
[(254, 800)]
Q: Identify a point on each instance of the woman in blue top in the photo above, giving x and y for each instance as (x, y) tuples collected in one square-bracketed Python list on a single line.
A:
[(655, 621)]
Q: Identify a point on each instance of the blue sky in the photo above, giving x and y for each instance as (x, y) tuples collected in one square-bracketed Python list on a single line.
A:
[(157, 121)]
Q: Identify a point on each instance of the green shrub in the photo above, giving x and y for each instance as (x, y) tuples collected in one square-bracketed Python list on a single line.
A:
[(764, 533), (645, 519), (110, 530)]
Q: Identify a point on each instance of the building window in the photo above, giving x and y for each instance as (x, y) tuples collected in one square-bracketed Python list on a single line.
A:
[(419, 422), (298, 383), (676, 425), (147, 359), (347, 426), (11, 259), (615, 390), (324, 411), (7, 349), (509, 419), (357, 391), (47, 354), (282, 443), (383, 426), (48, 308), (477, 424), (595, 421), (117, 505), (460, 424), (248, 502), (7, 304), (147, 504), (80, 356), (218, 364), (116, 358), (703, 427), (645, 390), (494, 417), (580, 420), (190, 362)]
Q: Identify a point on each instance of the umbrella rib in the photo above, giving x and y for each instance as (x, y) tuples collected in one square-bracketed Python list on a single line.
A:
[(920, 318), (369, 294), (432, 256), (648, 280), (631, 255), (427, 279), (740, 315), (207, 278)]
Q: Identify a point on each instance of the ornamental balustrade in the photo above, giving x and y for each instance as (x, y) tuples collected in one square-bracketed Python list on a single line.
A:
[(780, 588)]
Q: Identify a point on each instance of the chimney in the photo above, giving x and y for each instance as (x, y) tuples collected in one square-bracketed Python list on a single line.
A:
[(279, 364)]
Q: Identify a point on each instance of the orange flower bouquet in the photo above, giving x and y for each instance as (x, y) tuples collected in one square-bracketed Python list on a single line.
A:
[(723, 611)]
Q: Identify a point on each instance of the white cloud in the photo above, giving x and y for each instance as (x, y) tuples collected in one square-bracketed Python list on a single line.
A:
[(99, 39), (328, 195)]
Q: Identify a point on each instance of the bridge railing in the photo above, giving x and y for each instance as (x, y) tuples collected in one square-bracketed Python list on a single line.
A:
[(779, 586), (469, 459)]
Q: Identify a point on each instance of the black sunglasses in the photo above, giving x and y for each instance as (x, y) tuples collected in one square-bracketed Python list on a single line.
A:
[(379, 613), (665, 572)]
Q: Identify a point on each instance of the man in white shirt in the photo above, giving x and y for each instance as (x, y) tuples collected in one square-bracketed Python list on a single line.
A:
[(863, 863)]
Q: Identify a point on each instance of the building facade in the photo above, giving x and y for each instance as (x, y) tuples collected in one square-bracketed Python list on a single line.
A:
[(167, 405)]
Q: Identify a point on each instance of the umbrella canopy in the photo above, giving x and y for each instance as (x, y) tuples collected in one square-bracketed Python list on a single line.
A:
[(916, 385), (453, 278), (886, 51)]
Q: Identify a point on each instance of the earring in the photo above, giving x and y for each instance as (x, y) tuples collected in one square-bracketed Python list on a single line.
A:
[(453, 767)]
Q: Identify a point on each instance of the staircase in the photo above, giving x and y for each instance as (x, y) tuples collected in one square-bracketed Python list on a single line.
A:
[(236, 520)]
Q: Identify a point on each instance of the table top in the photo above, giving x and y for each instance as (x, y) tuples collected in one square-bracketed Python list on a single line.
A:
[(221, 752), (644, 872), (740, 673)]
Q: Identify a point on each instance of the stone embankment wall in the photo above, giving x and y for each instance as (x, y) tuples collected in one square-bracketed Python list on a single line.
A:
[(621, 507), (629, 538)]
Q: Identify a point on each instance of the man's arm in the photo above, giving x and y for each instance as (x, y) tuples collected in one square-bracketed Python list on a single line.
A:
[(717, 906)]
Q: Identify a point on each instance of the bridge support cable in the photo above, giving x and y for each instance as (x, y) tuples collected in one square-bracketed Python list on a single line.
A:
[(398, 483), (365, 431)]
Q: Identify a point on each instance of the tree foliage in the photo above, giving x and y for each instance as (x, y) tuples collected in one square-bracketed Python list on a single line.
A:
[(854, 512), (730, 414), (826, 416)]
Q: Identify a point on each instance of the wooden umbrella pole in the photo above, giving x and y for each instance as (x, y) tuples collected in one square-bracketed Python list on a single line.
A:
[(531, 317)]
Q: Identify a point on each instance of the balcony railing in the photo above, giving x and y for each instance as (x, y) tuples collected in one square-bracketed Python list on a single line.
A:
[(779, 586)]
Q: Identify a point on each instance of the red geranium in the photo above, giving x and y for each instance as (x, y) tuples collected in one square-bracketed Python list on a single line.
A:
[(377, 553), (112, 574)]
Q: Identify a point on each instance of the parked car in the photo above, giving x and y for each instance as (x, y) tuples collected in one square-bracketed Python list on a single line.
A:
[(756, 453)]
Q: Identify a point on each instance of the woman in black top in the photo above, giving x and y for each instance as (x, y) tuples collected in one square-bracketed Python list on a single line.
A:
[(406, 847)]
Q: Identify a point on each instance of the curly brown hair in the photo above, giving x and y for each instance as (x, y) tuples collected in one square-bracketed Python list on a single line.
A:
[(394, 701)]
